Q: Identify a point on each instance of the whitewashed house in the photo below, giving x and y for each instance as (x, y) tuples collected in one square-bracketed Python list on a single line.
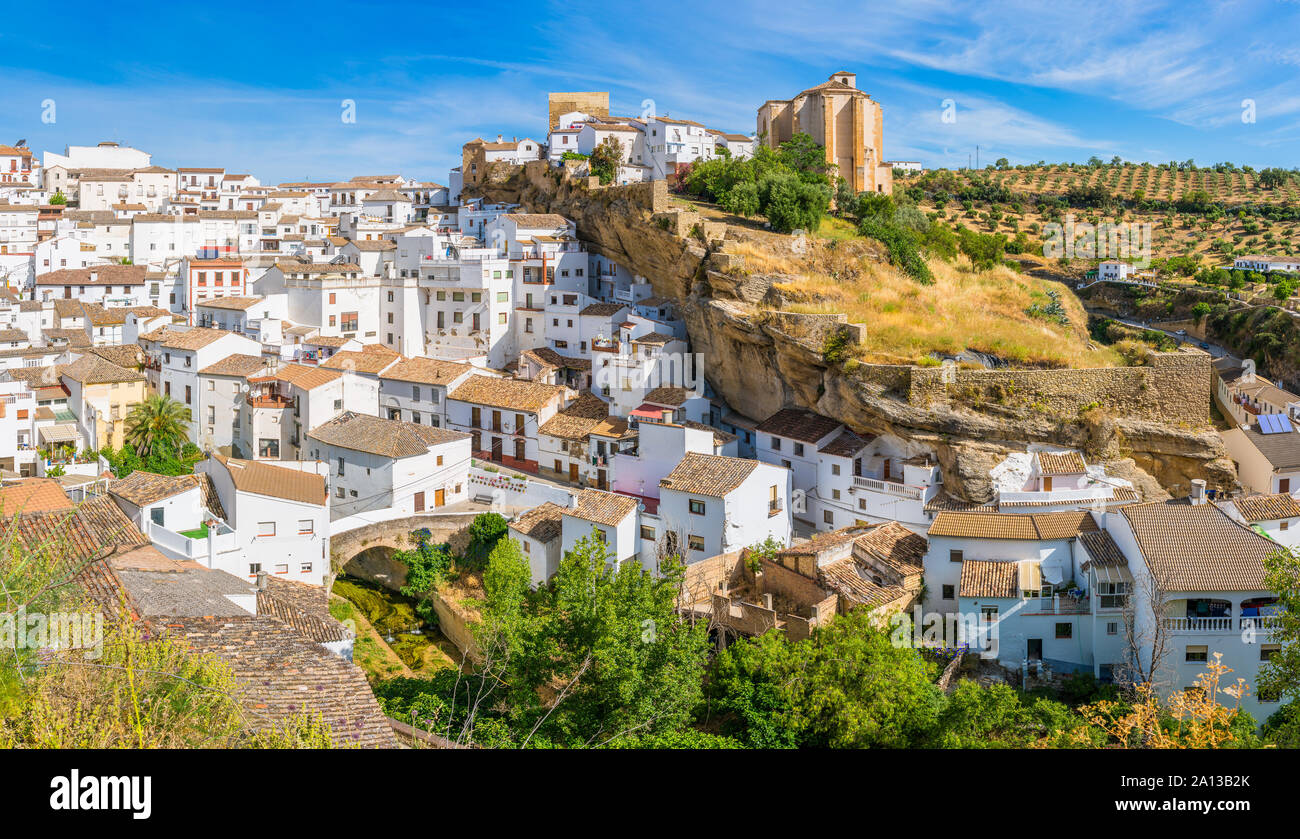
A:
[(415, 389), (538, 532), (613, 519), (279, 515), (713, 504), (389, 467), (502, 416)]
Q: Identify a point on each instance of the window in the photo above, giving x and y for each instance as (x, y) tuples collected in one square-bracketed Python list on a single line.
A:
[(282, 568), (1113, 595), (949, 592), (1197, 652), (828, 517), (835, 468), (954, 556), (647, 532), (306, 527), (696, 507), (254, 568), (266, 528), (695, 543), (1284, 525), (776, 444), (1267, 651), (156, 515), (1065, 630), (349, 323), (341, 465), (305, 568), (798, 449), (1112, 628)]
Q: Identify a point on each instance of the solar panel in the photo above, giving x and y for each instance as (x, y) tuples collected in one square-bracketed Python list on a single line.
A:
[(1274, 424)]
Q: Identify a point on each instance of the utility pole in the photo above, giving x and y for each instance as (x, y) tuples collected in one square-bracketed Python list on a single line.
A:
[(977, 157)]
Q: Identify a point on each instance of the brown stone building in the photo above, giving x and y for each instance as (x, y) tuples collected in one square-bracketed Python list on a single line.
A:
[(848, 122), (594, 103)]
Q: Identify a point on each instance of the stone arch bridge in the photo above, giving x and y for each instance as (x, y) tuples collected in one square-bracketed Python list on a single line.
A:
[(366, 551)]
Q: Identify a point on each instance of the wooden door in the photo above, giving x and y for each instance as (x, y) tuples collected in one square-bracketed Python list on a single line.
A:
[(601, 480), (496, 448), (573, 473), (439, 497), (419, 502), (520, 451)]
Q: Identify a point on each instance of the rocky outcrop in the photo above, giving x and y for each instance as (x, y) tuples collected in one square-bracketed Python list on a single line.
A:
[(1148, 421)]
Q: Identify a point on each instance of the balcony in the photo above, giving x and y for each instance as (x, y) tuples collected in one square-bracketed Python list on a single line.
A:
[(1260, 624), (268, 401), (1056, 606), (193, 544), (888, 487), (1202, 625)]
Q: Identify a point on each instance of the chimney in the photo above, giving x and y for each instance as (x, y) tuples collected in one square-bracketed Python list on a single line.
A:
[(1197, 495), (261, 581), (94, 275), (767, 600), (500, 138)]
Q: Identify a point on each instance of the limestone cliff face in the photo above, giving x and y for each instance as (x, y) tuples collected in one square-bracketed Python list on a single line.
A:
[(759, 360)]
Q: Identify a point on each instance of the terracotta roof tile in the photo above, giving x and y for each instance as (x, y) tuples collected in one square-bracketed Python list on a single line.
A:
[(542, 523), (261, 478), (511, 394), (798, 424), (1032, 526), (602, 507), (1197, 547), (428, 371), (984, 578), (33, 495), (1061, 463), (385, 437), (236, 364), (142, 488), (93, 370), (1268, 507), (708, 474)]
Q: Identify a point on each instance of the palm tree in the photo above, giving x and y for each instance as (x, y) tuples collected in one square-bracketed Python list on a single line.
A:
[(157, 425)]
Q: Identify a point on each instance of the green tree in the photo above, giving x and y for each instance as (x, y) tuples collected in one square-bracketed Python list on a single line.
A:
[(157, 425), (792, 204), (484, 533), (1280, 675), (606, 158), (742, 199), (846, 687), (58, 198), (426, 567)]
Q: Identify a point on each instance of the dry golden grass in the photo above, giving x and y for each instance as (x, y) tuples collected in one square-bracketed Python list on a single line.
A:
[(962, 309)]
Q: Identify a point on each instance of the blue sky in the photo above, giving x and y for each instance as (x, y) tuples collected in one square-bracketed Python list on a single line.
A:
[(258, 87)]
